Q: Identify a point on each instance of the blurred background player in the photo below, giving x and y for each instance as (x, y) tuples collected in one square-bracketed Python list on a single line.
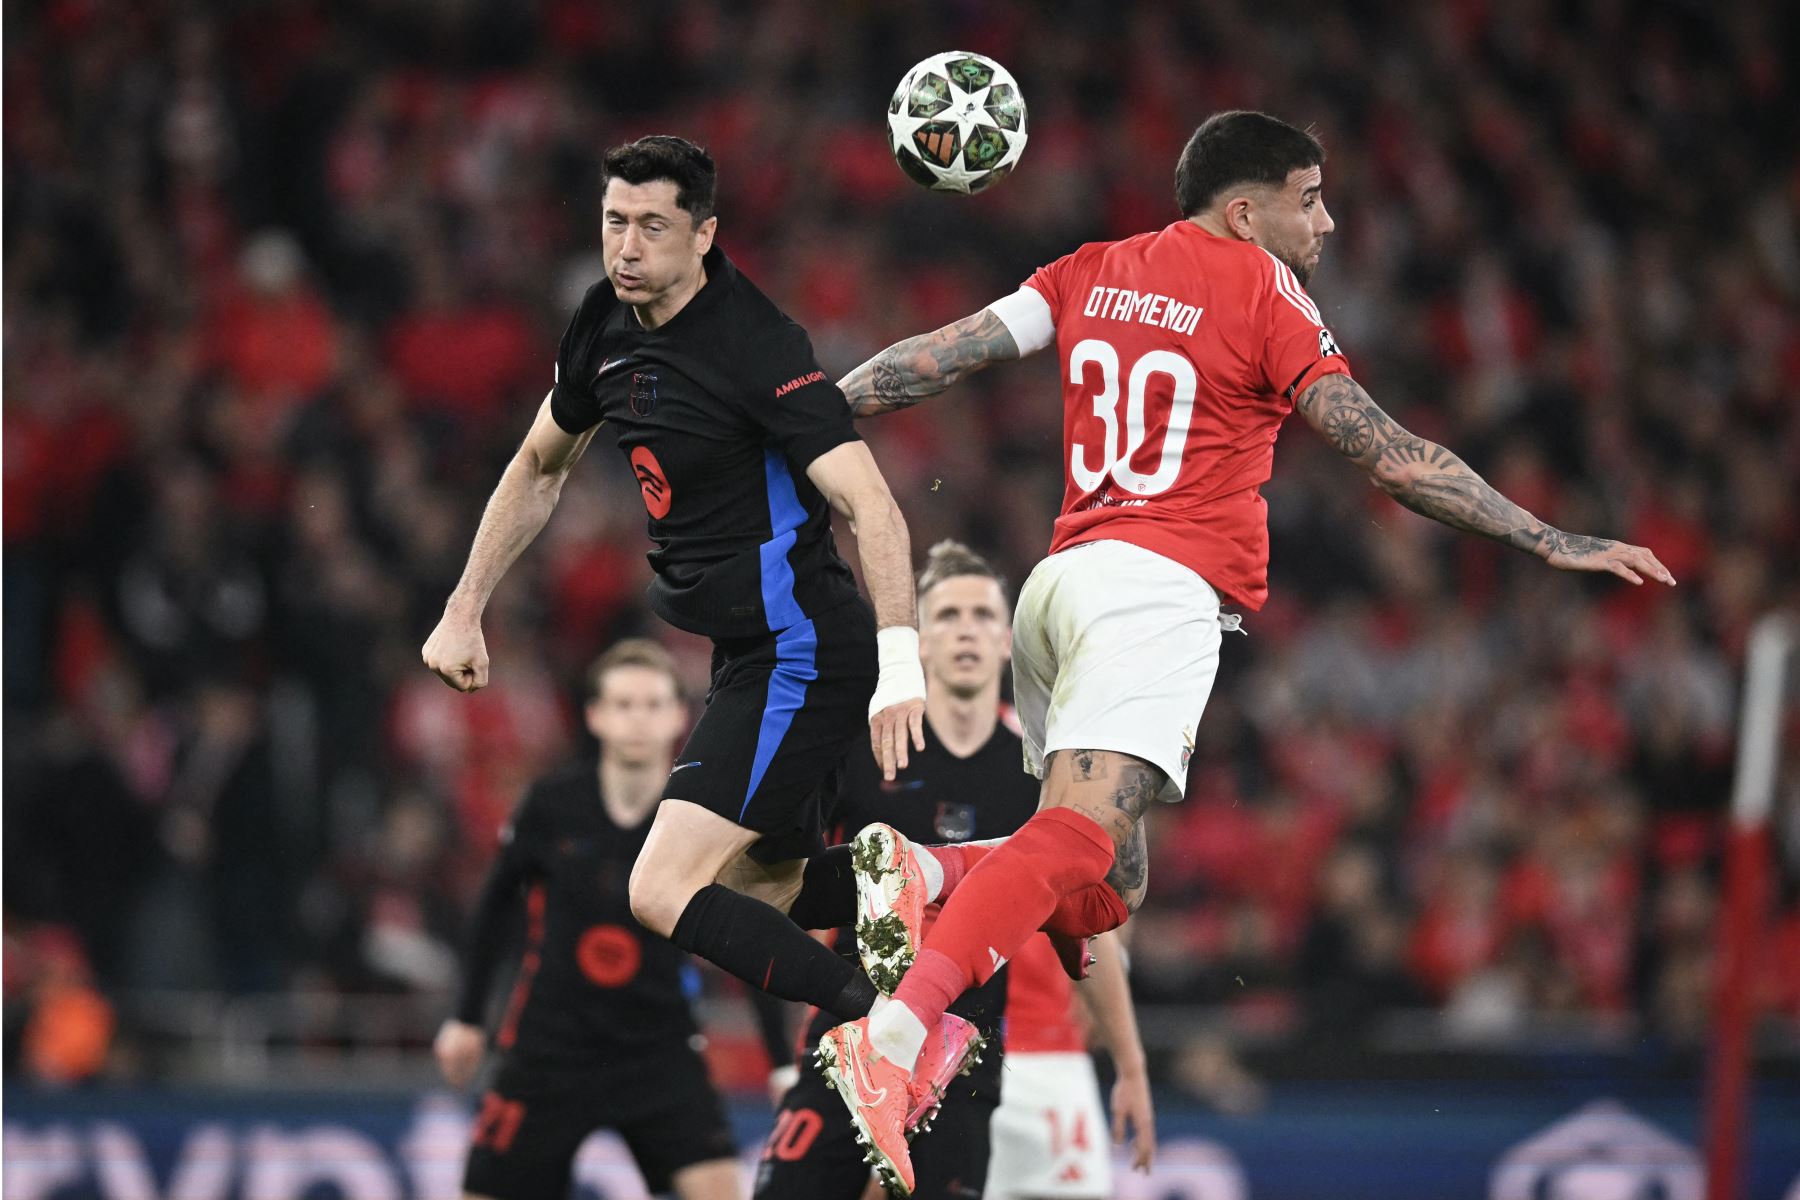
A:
[(597, 1033), (741, 448), (966, 785), (1184, 350), (1049, 1135)]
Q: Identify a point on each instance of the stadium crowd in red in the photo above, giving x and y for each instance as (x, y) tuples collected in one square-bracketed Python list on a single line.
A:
[(282, 290)]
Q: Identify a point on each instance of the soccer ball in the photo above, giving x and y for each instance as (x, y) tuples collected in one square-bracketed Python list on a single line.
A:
[(957, 123)]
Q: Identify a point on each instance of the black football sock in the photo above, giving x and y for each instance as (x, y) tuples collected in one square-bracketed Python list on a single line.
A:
[(827, 898), (760, 945)]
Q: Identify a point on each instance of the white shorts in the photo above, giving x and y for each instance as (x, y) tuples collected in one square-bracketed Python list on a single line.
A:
[(1115, 648), (1050, 1136)]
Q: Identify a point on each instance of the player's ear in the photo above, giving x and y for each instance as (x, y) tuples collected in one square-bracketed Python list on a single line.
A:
[(703, 235), (1239, 212)]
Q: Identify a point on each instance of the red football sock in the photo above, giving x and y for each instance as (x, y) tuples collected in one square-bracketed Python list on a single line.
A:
[(1002, 901), (1095, 908), (957, 861)]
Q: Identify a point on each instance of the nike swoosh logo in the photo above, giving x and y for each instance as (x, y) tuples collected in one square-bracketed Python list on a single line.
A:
[(609, 365), (684, 766), (867, 1093)]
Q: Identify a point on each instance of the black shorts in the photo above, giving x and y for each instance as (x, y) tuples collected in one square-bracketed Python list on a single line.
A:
[(812, 1152), (783, 711), (529, 1127)]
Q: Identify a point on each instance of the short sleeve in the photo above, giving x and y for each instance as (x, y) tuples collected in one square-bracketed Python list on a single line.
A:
[(1297, 348), (1047, 281), (800, 407), (572, 402)]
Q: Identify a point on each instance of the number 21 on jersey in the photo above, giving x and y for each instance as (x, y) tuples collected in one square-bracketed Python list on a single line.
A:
[(1091, 466)]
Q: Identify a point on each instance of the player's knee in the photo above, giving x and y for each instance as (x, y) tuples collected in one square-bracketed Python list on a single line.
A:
[(776, 885), (1110, 787), (656, 901)]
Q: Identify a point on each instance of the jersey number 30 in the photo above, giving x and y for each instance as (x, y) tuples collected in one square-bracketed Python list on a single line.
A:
[(1115, 459)]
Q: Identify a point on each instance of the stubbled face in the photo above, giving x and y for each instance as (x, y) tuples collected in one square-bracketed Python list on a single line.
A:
[(1290, 222), (652, 247), (965, 634), (638, 716)]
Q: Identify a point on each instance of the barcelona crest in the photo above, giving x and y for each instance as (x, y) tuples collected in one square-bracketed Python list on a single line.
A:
[(643, 392)]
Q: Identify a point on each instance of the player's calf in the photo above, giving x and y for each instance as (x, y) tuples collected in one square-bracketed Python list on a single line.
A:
[(673, 893), (1130, 875), (775, 884)]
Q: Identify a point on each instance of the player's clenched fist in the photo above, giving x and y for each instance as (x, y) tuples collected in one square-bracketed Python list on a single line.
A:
[(456, 653), (458, 1049)]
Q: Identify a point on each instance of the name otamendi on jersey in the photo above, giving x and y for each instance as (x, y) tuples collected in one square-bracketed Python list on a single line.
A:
[(1146, 308)]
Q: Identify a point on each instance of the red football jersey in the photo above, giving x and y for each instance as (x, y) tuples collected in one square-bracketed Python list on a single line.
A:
[(1041, 1016), (1181, 355)]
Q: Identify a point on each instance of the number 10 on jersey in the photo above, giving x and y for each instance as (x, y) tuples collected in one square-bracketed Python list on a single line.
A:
[(1114, 458)]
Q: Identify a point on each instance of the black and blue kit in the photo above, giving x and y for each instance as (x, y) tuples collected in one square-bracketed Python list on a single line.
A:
[(718, 412), (596, 1032)]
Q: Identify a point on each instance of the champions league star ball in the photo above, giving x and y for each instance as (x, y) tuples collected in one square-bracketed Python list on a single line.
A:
[(957, 123)]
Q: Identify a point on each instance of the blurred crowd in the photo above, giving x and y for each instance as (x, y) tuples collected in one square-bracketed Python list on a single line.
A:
[(283, 281)]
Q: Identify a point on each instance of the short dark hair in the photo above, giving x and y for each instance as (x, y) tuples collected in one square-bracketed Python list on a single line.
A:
[(1239, 147), (632, 652), (664, 156), (949, 559)]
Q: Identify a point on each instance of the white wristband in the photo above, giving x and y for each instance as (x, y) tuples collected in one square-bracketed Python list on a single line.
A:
[(902, 676)]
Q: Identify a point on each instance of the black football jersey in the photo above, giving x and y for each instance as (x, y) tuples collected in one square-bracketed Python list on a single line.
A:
[(594, 988), (942, 798), (718, 413)]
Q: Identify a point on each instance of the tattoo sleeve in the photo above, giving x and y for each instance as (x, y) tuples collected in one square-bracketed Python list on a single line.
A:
[(1424, 476), (907, 372), (1130, 873)]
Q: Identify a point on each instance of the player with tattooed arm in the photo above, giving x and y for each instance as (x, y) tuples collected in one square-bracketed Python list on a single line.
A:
[(1182, 351)]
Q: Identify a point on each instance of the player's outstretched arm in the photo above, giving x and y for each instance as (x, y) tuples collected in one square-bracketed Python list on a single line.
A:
[(849, 479), (1435, 483), (518, 509), (907, 372), (1107, 993)]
